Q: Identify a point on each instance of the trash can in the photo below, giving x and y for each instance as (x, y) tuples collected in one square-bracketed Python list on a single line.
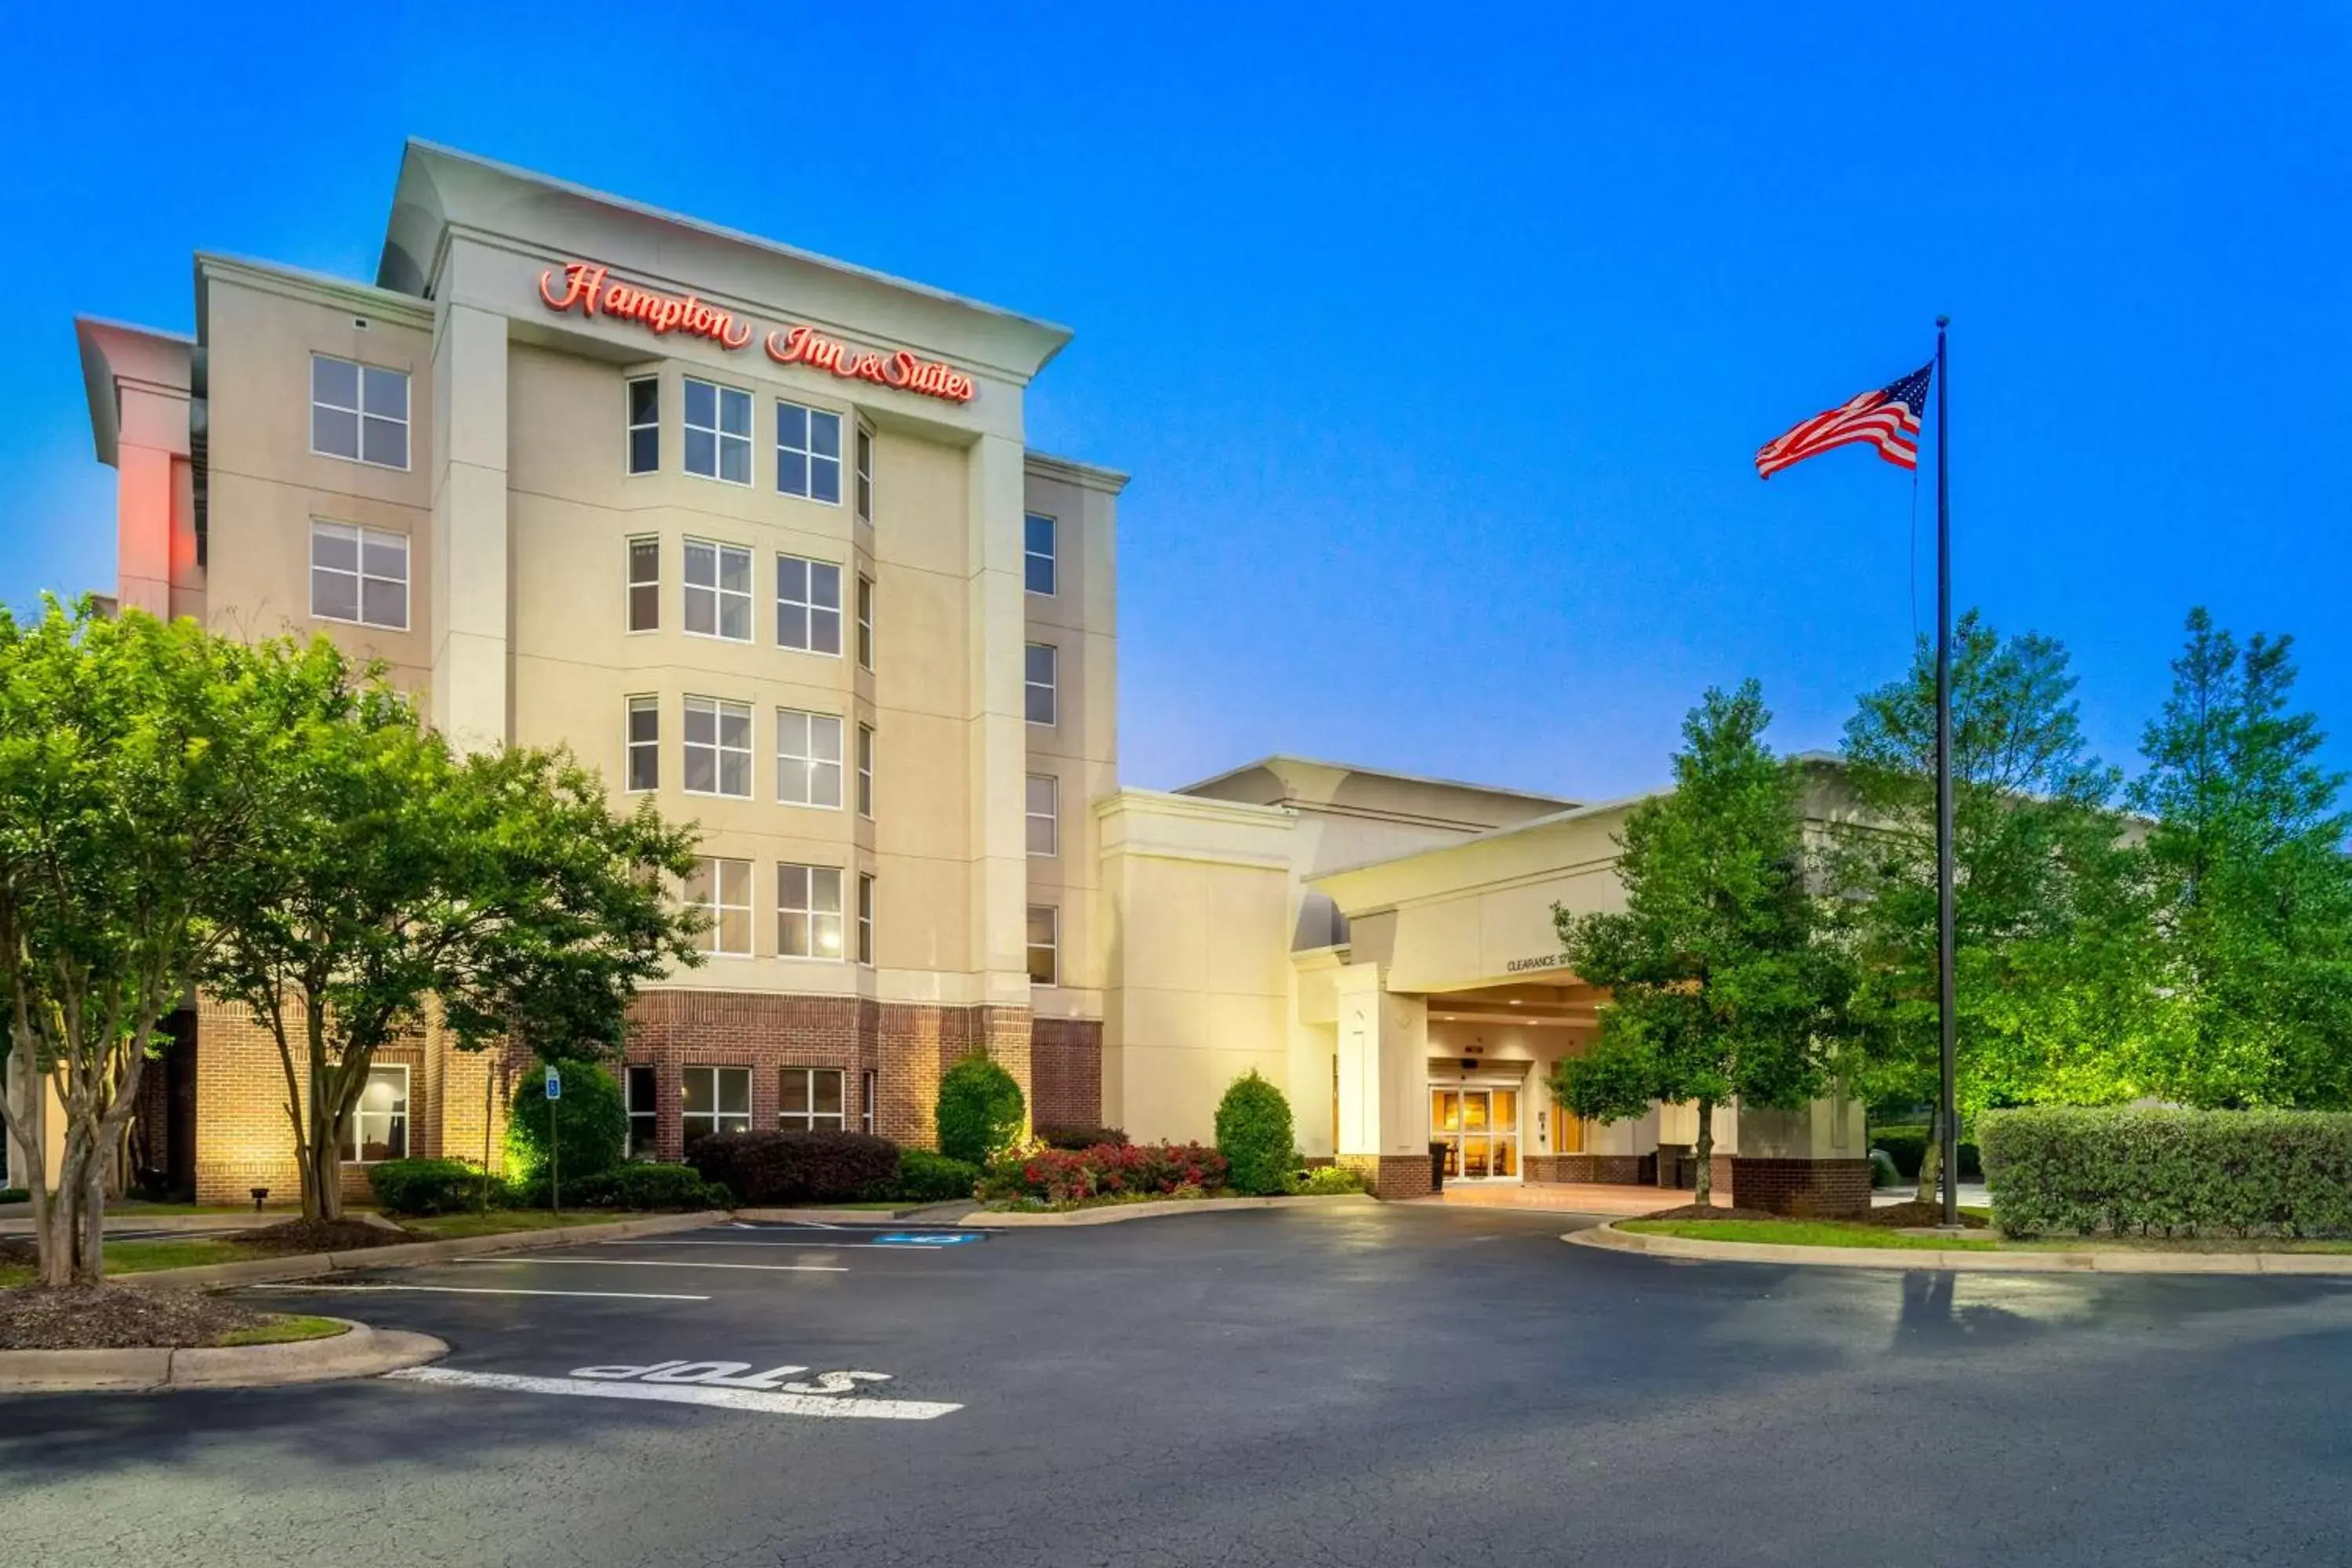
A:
[(1437, 1167)]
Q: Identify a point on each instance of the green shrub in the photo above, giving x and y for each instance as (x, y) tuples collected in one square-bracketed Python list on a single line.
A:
[(1907, 1145), (764, 1168), (15, 1194), (927, 1178), (2060, 1170), (1254, 1134), (426, 1186), (1077, 1135), (592, 1122), (980, 1111), (1882, 1171), (644, 1185), (1325, 1181)]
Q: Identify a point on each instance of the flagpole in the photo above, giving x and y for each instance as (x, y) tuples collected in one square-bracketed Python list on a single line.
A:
[(1945, 985)]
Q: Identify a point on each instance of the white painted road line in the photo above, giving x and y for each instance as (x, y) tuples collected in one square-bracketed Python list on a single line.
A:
[(300, 1289), (745, 1399), (668, 1263)]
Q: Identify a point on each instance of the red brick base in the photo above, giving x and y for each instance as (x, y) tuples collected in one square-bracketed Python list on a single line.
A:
[(1391, 1176), (1065, 1061), (1814, 1189), (1616, 1170)]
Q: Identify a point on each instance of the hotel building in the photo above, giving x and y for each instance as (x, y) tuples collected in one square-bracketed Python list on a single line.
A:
[(759, 535)]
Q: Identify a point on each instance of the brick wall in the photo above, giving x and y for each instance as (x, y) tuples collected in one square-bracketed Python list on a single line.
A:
[(1391, 1176), (1065, 1061), (245, 1137), (1821, 1189), (1614, 1170)]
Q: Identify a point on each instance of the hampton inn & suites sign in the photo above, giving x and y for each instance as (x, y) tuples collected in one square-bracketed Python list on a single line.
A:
[(587, 288)]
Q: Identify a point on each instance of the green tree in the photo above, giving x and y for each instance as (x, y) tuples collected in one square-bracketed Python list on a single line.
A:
[(1254, 1135), (131, 761), (393, 885), (1719, 985), (2050, 921), (980, 1113), (2254, 892), (590, 1127)]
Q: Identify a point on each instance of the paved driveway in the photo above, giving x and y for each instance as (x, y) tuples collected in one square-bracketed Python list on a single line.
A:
[(1394, 1385)]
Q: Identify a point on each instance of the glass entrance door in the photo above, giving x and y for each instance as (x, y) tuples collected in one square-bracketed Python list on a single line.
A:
[(1480, 1129)]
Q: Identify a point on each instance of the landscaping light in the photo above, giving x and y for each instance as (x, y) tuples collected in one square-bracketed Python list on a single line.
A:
[(260, 1196)]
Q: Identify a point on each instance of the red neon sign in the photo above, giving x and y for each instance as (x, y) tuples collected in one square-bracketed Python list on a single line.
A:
[(589, 289)]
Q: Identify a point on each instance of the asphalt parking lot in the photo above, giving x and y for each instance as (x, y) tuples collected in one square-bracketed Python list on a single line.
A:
[(1370, 1386)]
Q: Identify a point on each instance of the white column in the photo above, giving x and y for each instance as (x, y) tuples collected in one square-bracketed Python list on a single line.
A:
[(469, 527), (999, 740), (1384, 1065)]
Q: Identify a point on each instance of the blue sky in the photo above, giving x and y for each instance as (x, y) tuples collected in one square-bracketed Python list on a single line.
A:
[(1437, 341)]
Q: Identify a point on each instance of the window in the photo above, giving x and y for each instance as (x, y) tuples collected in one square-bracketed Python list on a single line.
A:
[(808, 758), (644, 1122), (865, 623), (808, 911), (359, 575), (717, 591), (645, 743), (808, 605), (377, 1128), (1037, 553), (1044, 944), (644, 426), (808, 453), (645, 585), (714, 1099), (717, 432), (718, 747), (864, 473), (358, 413), (865, 918), (721, 890), (808, 1100), (866, 770), (866, 1097), (1042, 671), (1045, 815)]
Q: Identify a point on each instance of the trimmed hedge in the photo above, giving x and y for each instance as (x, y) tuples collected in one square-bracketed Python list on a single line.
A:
[(2062, 1170), (927, 1178), (427, 1186), (1254, 1134), (764, 1168), (644, 1185), (1907, 1147), (980, 1111), (1077, 1135)]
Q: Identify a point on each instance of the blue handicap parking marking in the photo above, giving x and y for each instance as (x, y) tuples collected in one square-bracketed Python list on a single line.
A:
[(925, 1238)]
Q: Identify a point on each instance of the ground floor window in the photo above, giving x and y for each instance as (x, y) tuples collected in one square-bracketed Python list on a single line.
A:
[(808, 1100), (714, 1099), (1480, 1129), (865, 1086), (377, 1128), (644, 1122), (1567, 1130)]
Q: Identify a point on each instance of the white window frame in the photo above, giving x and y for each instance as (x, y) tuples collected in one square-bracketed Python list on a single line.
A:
[(866, 771), (1050, 556), (714, 868), (719, 710), (866, 919), (808, 455), (868, 1091), (355, 1123), (1051, 685), (716, 1119), (632, 746), (360, 538), (632, 583), (864, 623), (632, 425), (1051, 817), (810, 609), (862, 446), (1053, 947), (718, 433), (720, 597), (649, 1113), (360, 414), (812, 1120), (814, 917), (809, 764)]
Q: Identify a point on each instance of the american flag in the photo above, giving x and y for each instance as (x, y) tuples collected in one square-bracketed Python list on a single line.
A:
[(1887, 418)]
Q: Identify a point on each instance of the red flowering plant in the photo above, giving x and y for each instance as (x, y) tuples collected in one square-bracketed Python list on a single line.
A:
[(1065, 1176)]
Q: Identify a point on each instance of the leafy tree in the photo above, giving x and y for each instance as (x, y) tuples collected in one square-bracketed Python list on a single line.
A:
[(2051, 956), (590, 1127), (1720, 986), (2252, 885), (1254, 1135), (982, 1113), (131, 756), (394, 885)]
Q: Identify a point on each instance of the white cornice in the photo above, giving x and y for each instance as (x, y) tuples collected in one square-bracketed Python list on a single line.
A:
[(311, 289), (1069, 472)]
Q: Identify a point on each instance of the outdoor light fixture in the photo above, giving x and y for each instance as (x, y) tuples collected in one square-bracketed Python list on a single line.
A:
[(260, 1196)]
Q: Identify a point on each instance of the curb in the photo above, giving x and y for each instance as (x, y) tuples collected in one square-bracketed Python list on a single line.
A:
[(361, 1352), (201, 1224), (833, 1216), (1609, 1238), (308, 1265), (1114, 1214)]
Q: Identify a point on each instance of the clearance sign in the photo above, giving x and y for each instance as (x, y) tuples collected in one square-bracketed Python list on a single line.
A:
[(587, 288)]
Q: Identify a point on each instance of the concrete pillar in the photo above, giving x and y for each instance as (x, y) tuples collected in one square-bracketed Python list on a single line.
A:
[(1810, 1161), (1383, 1082), (998, 748), (470, 672)]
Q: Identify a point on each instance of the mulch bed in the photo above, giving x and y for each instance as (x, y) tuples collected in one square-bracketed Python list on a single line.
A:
[(113, 1318), (1714, 1211), (1914, 1215), (321, 1235)]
